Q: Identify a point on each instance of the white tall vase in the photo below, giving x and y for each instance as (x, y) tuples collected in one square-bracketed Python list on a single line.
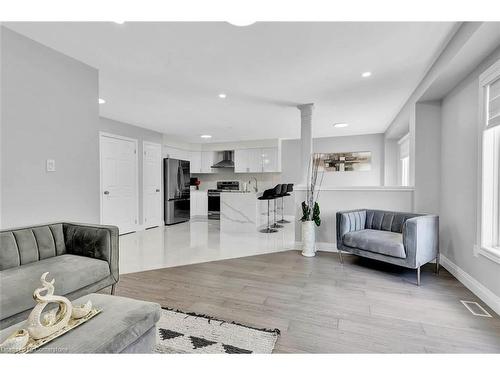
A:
[(308, 238)]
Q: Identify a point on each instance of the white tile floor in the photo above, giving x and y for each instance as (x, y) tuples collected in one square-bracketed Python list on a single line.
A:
[(196, 241)]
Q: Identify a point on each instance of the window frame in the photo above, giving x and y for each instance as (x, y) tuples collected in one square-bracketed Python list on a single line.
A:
[(488, 236)]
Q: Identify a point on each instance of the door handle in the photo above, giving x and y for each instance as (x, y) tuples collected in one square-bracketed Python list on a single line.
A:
[(157, 190), (106, 192)]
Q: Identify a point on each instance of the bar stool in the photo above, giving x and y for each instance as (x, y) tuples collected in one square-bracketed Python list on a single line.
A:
[(277, 194), (267, 196), (286, 193)]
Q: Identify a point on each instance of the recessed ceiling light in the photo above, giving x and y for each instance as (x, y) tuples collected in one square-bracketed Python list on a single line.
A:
[(366, 74), (119, 22), (222, 95), (102, 101), (206, 136), (340, 125), (242, 22)]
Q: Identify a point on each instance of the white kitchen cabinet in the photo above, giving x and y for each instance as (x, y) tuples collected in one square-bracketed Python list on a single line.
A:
[(202, 161), (207, 160), (241, 161), (270, 160), (248, 160), (257, 160), (199, 203), (195, 159)]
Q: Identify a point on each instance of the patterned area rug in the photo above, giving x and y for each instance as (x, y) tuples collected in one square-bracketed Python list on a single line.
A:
[(178, 332)]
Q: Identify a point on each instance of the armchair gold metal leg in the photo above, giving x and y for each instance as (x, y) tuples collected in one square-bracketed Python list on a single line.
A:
[(340, 255), (418, 276), (113, 289), (437, 264)]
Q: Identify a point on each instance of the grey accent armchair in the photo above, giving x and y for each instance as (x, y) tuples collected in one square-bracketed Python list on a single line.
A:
[(404, 239), (82, 258)]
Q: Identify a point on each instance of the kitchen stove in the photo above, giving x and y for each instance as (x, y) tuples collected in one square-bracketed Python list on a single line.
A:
[(214, 197)]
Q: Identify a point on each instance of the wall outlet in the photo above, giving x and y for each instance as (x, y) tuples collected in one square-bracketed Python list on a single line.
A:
[(51, 165)]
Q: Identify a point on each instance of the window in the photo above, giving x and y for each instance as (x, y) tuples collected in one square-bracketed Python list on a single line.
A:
[(489, 229), (404, 160), (405, 171)]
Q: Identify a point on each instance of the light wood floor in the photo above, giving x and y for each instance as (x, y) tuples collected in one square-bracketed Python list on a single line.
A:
[(322, 306)]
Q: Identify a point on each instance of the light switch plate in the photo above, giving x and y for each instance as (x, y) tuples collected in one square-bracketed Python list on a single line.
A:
[(51, 165)]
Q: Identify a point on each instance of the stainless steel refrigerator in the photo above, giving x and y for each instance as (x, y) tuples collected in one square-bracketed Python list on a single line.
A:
[(176, 182)]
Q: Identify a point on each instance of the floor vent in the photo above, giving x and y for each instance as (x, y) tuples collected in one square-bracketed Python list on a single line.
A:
[(475, 308)]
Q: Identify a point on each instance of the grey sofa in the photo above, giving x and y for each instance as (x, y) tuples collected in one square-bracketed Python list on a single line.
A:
[(82, 258), (405, 239)]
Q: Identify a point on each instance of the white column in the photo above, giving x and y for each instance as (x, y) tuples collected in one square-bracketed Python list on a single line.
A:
[(306, 145)]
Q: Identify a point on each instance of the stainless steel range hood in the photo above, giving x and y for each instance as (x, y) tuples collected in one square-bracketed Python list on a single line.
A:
[(226, 162)]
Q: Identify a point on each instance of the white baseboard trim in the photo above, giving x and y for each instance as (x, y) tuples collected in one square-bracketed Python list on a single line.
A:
[(321, 246), (486, 295)]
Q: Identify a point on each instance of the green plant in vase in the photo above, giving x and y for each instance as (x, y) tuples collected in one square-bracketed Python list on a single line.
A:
[(310, 207), (306, 213)]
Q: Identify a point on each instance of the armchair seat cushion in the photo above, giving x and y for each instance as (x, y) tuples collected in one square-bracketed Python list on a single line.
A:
[(72, 272), (376, 241)]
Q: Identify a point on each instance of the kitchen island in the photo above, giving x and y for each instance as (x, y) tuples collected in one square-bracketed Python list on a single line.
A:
[(242, 212)]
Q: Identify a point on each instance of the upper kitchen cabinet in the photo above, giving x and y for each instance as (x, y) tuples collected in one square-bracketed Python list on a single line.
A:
[(208, 158), (253, 157), (270, 160), (195, 166), (241, 161), (246, 161), (257, 160)]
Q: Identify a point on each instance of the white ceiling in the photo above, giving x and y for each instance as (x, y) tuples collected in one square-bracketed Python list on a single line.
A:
[(167, 76)]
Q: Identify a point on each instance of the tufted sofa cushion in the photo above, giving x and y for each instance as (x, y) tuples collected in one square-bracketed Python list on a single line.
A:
[(24, 246), (386, 220)]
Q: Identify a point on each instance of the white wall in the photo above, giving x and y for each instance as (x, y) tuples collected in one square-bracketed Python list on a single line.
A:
[(459, 163), (453, 80), (49, 111), (369, 142), (391, 162), (427, 157), (170, 141), (141, 134)]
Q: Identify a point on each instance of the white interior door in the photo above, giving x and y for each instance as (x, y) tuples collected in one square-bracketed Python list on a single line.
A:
[(119, 182), (152, 197)]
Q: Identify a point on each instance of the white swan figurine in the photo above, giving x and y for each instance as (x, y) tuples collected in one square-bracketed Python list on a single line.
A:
[(42, 326)]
